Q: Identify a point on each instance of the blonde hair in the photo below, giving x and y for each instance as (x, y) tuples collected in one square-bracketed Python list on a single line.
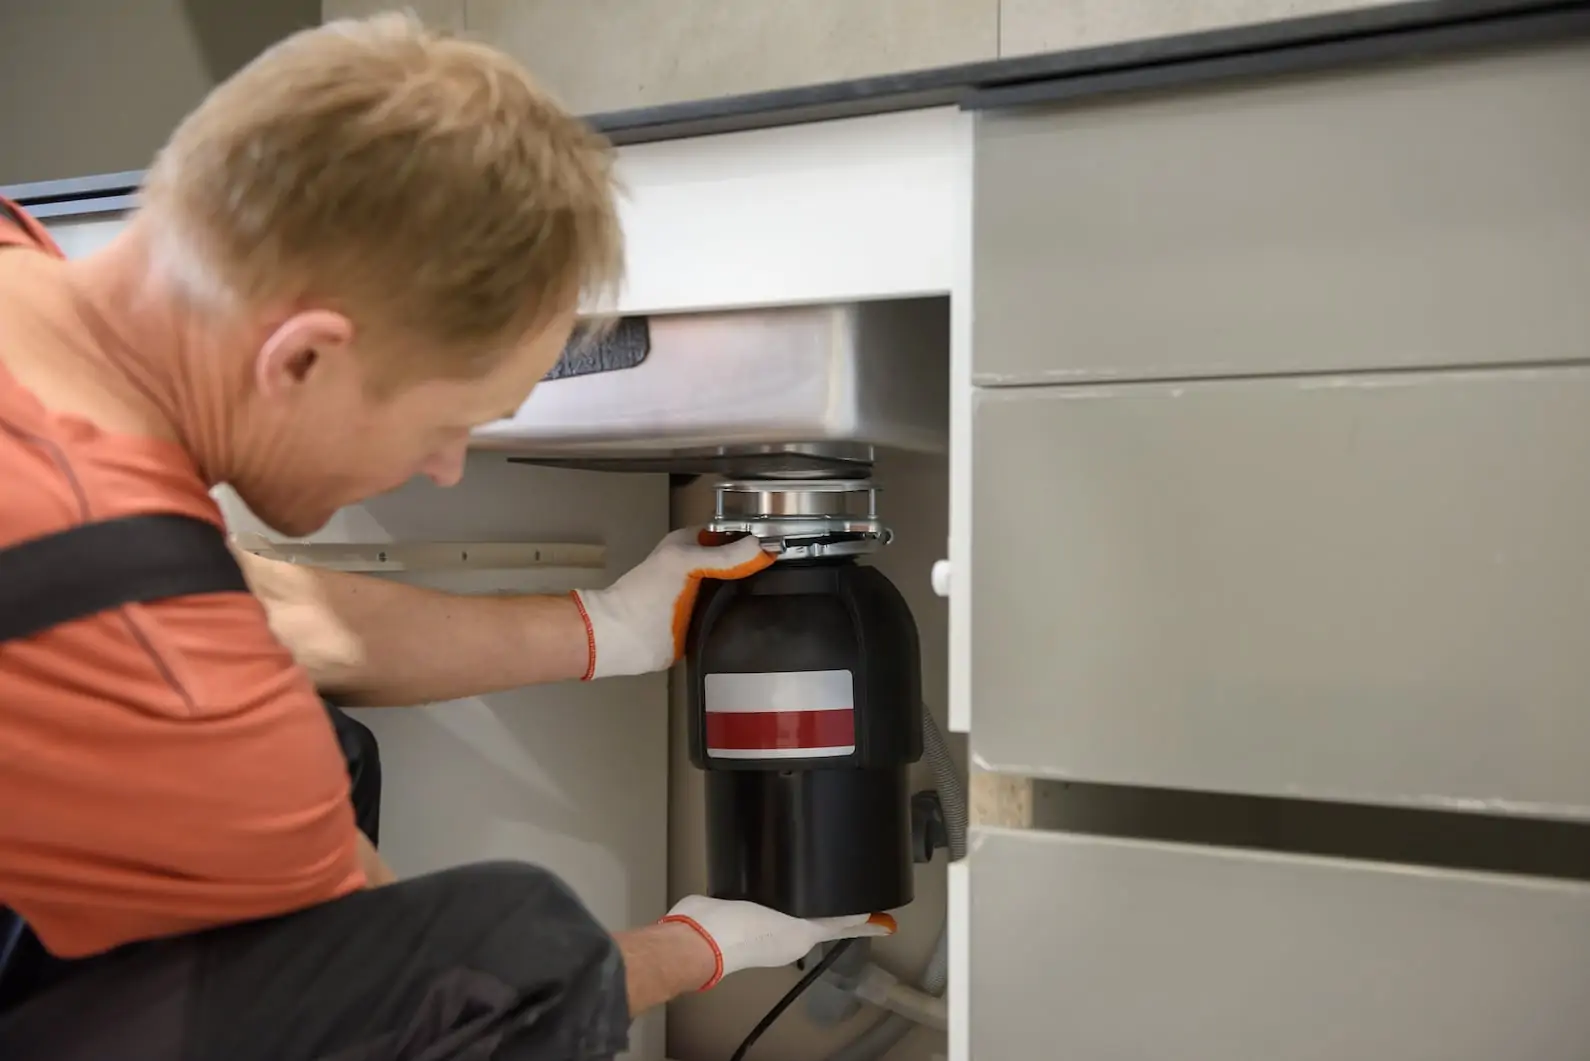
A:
[(422, 184)]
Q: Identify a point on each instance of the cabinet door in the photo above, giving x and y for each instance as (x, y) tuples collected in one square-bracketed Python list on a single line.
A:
[(1367, 588), (1411, 216), (1122, 951)]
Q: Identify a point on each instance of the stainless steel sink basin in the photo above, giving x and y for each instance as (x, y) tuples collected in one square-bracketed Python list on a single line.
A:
[(697, 392)]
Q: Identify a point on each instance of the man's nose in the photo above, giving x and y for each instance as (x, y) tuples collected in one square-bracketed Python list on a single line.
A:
[(446, 468)]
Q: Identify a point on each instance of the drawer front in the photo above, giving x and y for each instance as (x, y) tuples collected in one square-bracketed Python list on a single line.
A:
[(1414, 216), (1121, 951), (1369, 588)]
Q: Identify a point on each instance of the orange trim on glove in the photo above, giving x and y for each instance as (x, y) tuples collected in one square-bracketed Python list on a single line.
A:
[(590, 636), (686, 602), (717, 955)]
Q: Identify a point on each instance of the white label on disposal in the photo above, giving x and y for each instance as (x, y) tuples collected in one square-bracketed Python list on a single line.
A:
[(809, 714)]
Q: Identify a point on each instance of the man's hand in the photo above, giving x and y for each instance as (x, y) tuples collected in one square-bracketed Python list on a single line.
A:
[(703, 940), (638, 624), (747, 936)]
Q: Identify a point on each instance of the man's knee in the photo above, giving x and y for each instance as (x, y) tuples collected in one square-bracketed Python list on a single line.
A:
[(504, 876), (523, 926), (504, 886), (501, 957), (522, 900)]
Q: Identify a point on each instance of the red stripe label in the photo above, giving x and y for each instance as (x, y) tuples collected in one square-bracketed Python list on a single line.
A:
[(780, 714), (757, 731)]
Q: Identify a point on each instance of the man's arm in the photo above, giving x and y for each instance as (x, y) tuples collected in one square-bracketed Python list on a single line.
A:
[(662, 962), (370, 642), (374, 642)]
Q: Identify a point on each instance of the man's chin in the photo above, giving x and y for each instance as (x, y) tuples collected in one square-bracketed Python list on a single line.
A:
[(287, 512), (295, 524)]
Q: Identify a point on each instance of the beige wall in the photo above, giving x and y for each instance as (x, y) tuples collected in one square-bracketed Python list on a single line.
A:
[(94, 87), (602, 55)]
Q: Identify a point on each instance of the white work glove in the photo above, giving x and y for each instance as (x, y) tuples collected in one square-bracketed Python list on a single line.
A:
[(747, 936), (638, 624)]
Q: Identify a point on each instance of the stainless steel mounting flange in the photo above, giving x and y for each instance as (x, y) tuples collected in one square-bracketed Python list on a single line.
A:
[(801, 519)]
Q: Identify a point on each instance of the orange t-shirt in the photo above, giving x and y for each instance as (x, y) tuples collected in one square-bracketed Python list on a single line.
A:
[(164, 767)]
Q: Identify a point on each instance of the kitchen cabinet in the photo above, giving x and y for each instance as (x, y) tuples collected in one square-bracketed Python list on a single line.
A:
[(610, 55), (1271, 483), (1028, 26), (602, 55)]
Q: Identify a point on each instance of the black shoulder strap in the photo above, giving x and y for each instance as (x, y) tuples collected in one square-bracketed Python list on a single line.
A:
[(79, 572), (98, 566)]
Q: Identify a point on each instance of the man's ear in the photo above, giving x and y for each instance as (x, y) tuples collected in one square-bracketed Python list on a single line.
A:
[(298, 348)]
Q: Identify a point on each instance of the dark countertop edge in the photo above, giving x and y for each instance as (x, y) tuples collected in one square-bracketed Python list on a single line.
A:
[(1420, 28), (1087, 71)]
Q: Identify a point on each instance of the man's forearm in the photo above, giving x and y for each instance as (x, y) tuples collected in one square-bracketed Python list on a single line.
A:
[(379, 643), (662, 962)]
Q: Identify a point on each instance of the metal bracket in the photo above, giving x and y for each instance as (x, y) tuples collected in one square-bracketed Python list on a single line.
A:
[(928, 831), (426, 556)]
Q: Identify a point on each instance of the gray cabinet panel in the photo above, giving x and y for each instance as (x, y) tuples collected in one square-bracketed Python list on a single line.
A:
[(603, 55), (97, 87), (1030, 26), (1120, 951), (443, 14), (1419, 216), (1370, 588)]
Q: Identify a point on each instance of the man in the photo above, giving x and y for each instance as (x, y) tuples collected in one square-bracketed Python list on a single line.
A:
[(362, 246)]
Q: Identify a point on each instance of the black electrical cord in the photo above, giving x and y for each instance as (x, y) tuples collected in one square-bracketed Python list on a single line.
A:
[(822, 966)]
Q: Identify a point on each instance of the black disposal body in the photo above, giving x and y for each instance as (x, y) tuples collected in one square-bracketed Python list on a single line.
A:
[(805, 713)]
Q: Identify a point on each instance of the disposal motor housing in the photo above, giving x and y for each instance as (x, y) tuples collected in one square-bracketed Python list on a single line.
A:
[(805, 706)]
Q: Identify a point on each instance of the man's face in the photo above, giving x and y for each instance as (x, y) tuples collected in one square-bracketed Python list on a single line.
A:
[(320, 437)]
